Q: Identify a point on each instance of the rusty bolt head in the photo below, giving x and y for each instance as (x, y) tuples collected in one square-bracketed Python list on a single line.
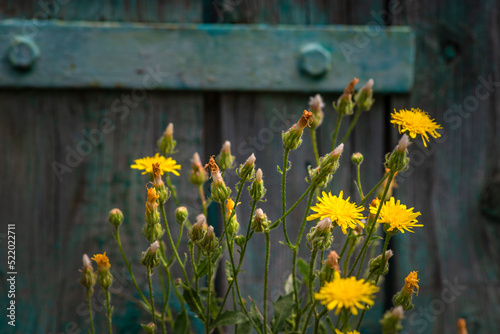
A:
[(315, 60), (23, 52)]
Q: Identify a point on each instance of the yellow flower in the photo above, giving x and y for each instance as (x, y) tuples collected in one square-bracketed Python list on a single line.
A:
[(411, 282), (397, 216), (348, 332), (168, 165), (415, 122), (346, 293), (339, 210), (102, 261), (230, 206)]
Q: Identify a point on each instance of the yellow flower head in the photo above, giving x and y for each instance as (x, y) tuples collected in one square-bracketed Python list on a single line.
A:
[(168, 165), (415, 122), (342, 212), (397, 216), (411, 282), (348, 332), (102, 261), (346, 293)]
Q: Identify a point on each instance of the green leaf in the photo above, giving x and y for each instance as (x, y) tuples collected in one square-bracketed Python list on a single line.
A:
[(303, 267), (375, 238), (256, 315), (283, 308), (203, 266), (245, 328), (322, 328), (192, 298), (229, 271), (279, 169), (181, 324), (230, 318)]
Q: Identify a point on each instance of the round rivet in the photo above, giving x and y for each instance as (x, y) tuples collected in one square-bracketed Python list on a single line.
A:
[(23, 52), (315, 60)]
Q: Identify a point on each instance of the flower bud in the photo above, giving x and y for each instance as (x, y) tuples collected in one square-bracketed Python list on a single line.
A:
[(330, 265), (391, 321), (293, 137), (256, 189), (259, 221), (364, 97), (404, 297), (357, 158), (344, 105), (232, 225), (152, 232), (199, 229), (105, 278), (115, 217), (161, 190), (149, 328), (225, 159), (166, 144), (152, 214), (320, 237), (356, 237), (150, 258), (316, 106), (397, 160), (376, 263), (210, 242), (247, 170), (198, 174), (220, 192), (88, 277), (328, 165), (240, 240), (181, 214)]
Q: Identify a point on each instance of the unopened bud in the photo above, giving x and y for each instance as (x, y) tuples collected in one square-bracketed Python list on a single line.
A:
[(397, 161), (161, 190), (181, 214), (210, 242), (199, 229), (376, 264), (331, 265), (240, 240), (320, 237), (232, 225), (198, 174), (316, 106), (403, 143), (115, 217), (247, 170), (345, 105), (257, 189), (220, 192), (150, 258), (88, 277), (328, 165), (225, 159), (86, 261), (357, 158), (405, 296), (391, 321), (259, 221), (166, 144), (149, 328), (364, 97), (293, 137)]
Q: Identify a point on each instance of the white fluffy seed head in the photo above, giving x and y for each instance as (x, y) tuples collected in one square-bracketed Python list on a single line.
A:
[(316, 102)]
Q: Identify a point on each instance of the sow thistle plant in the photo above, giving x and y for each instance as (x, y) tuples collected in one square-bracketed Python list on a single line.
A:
[(329, 293)]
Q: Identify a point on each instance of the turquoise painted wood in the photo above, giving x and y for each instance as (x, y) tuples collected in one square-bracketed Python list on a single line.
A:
[(205, 56)]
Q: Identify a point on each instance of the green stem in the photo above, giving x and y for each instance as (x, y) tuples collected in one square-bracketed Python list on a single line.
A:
[(349, 253), (276, 223), (336, 132), (318, 318), (368, 237), (203, 199), (360, 188), (386, 244), (283, 193), (90, 311), (127, 264), (108, 310), (345, 243), (172, 189), (312, 263), (179, 238), (373, 189), (153, 312), (207, 323), (353, 123), (315, 145), (266, 274)]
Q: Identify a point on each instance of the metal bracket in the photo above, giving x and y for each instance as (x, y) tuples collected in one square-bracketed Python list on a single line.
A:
[(62, 54)]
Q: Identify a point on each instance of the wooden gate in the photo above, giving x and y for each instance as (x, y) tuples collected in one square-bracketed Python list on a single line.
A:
[(91, 78)]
